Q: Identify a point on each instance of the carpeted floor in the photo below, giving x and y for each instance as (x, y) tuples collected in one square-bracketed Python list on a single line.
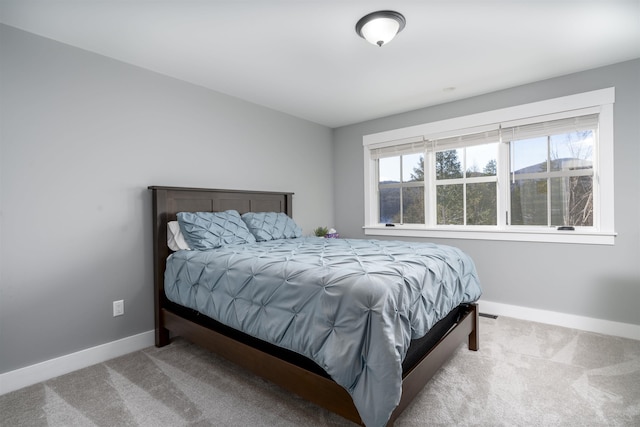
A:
[(525, 374)]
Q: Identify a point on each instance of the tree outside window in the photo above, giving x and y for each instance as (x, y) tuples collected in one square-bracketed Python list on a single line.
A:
[(466, 195)]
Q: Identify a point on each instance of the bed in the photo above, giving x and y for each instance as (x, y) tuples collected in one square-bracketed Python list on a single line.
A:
[(267, 348)]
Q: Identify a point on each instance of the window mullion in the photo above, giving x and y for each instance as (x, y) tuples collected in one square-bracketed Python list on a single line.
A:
[(557, 174), (548, 181), (503, 187), (464, 186), (401, 190), (430, 200), (464, 203)]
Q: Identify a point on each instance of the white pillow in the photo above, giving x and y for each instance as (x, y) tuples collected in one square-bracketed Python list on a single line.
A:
[(175, 239)]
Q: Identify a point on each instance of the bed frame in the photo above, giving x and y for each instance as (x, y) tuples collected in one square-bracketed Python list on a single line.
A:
[(171, 320)]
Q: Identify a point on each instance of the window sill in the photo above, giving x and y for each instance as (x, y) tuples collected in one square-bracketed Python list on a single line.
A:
[(550, 235)]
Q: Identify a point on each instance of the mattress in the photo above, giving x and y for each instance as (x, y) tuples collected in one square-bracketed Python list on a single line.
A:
[(352, 306)]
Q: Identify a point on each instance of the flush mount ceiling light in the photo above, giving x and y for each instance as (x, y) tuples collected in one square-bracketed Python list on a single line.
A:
[(380, 27)]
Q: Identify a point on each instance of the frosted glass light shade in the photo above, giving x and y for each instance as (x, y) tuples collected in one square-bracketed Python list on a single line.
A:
[(381, 27)]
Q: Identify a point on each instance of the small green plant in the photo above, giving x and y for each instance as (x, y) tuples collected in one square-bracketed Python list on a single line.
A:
[(321, 231)]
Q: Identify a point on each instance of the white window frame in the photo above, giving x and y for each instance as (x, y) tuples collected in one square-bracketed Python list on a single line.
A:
[(603, 231)]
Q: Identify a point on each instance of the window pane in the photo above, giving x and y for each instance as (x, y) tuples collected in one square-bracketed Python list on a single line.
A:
[(450, 204), (482, 160), (413, 167), (529, 155), (529, 202), (390, 205), (481, 204), (572, 151), (572, 201), (413, 205), (448, 164), (389, 169)]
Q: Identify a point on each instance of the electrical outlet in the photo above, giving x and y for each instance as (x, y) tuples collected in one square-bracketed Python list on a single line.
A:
[(118, 308)]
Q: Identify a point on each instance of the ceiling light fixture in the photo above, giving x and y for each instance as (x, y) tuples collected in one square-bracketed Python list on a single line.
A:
[(380, 27)]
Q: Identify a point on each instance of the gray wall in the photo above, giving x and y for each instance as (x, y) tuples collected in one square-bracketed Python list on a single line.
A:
[(82, 136), (594, 281)]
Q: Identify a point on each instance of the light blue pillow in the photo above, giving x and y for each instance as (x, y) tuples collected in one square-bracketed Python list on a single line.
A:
[(271, 226), (209, 230)]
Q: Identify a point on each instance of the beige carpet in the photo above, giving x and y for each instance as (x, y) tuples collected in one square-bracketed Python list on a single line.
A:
[(525, 374)]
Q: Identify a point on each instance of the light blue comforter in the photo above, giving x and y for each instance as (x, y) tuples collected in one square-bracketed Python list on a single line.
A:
[(352, 306)]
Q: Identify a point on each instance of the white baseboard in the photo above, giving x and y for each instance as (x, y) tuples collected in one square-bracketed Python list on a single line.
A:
[(600, 326), (23, 377)]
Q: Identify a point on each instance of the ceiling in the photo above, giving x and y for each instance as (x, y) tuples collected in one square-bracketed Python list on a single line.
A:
[(304, 58)]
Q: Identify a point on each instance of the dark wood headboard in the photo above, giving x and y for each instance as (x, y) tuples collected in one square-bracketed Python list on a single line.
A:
[(168, 201)]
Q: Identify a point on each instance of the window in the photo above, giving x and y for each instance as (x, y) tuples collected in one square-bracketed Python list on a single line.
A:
[(552, 173), (514, 174)]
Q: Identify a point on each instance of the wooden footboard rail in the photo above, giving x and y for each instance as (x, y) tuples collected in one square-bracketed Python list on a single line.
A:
[(416, 378), (315, 388)]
